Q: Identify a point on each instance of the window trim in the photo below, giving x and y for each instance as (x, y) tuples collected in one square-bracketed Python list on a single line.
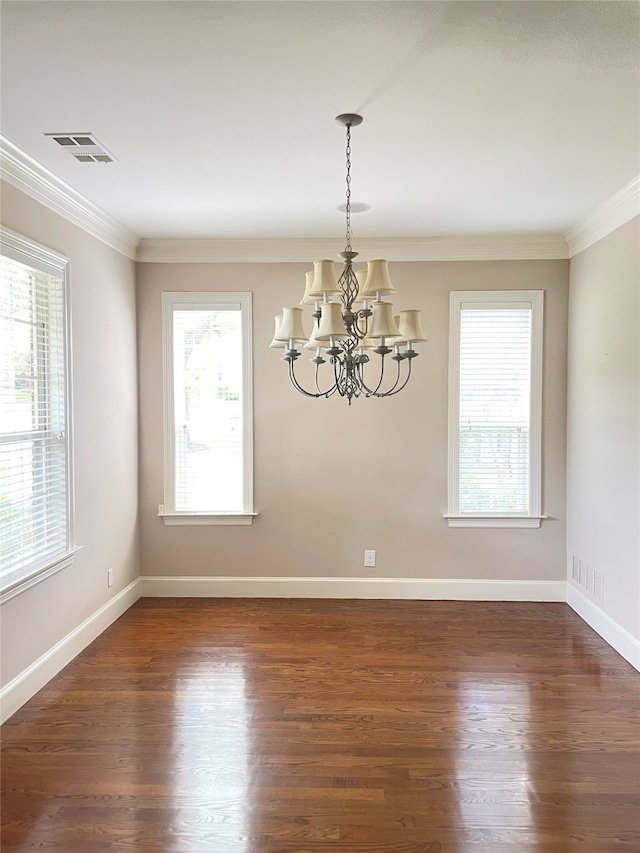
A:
[(533, 299), (175, 300), (22, 249)]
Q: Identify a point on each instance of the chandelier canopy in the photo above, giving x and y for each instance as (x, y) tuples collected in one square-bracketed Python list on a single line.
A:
[(349, 332)]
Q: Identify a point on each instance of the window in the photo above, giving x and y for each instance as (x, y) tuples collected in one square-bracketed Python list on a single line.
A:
[(495, 408), (208, 417), (36, 505)]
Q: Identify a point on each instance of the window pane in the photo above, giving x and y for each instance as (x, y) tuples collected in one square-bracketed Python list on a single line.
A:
[(17, 467), (33, 454), (495, 376), (207, 352), (19, 409)]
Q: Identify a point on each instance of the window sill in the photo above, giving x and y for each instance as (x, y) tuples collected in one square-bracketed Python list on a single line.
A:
[(20, 585), (494, 520), (190, 519)]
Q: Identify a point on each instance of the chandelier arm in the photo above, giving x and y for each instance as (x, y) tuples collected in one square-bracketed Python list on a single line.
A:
[(338, 369), (316, 379), (393, 392), (377, 388), (365, 387), (395, 384), (358, 331), (332, 392), (299, 387)]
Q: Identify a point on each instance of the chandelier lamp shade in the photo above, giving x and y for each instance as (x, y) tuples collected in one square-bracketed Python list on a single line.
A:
[(354, 329)]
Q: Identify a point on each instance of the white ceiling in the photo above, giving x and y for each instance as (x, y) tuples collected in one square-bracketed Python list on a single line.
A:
[(479, 117)]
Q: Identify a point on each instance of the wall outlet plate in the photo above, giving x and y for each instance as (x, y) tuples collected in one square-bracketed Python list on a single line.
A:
[(370, 559), (109, 577)]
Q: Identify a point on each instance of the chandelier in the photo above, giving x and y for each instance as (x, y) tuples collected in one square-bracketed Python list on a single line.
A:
[(356, 335)]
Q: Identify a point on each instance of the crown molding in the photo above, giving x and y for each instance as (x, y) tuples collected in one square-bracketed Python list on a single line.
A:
[(28, 175), (614, 212), (476, 248), (32, 178)]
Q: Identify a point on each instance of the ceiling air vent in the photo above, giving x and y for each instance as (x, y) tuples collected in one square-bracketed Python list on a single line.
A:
[(83, 147)]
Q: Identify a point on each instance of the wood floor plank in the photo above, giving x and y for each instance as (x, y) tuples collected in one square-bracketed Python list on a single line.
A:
[(318, 726)]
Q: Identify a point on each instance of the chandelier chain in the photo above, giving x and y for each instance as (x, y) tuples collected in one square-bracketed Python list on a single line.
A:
[(348, 181)]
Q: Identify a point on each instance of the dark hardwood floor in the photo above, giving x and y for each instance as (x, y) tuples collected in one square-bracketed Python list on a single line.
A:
[(299, 726)]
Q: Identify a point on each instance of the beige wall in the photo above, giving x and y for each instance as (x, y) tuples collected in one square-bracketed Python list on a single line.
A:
[(603, 418), (105, 438), (320, 499), (331, 480)]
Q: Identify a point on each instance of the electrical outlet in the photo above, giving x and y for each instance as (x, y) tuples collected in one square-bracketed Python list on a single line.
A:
[(109, 577), (370, 559)]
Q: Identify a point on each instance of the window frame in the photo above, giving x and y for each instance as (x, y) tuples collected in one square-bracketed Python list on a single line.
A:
[(207, 300), (23, 250), (533, 299)]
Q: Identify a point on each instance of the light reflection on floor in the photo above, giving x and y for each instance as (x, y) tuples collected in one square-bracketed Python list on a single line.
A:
[(211, 769), (487, 715)]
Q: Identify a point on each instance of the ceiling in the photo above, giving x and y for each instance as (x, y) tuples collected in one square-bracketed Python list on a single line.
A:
[(479, 117)]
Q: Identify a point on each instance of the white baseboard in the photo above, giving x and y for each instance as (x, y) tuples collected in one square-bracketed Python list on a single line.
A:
[(617, 637), (34, 677), (390, 588), (25, 685)]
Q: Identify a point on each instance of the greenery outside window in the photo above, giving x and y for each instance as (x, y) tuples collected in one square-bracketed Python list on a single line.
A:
[(208, 418)]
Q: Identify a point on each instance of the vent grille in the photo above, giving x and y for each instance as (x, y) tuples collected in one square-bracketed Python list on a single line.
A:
[(588, 577), (83, 147)]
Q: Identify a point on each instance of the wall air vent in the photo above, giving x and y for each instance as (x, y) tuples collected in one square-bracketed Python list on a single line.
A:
[(83, 147), (588, 577)]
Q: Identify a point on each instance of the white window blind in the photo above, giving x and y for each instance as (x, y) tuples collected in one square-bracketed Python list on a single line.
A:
[(495, 355), (207, 394), (495, 404), (35, 523)]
